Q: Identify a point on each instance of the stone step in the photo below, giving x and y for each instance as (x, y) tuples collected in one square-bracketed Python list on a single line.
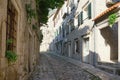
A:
[(115, 65), (108, 69)]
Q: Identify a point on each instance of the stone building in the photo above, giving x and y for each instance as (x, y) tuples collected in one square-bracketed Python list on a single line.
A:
[(19, 36), (87, 35)]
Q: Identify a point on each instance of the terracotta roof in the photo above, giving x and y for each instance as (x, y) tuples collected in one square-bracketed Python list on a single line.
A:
[(106, 11)]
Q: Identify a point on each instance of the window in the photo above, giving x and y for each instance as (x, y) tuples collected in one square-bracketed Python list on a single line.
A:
[(72, 27), (80, 18), (59, 30), (86, 41), (67, 29), (87, 12), (63, 30), (76, 46), (57, 47), (11, 32)]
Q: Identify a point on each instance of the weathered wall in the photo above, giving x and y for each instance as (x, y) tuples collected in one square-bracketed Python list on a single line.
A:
[(3, 13), (27, 43)]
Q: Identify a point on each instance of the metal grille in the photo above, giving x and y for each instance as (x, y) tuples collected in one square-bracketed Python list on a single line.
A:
[(11, 32)]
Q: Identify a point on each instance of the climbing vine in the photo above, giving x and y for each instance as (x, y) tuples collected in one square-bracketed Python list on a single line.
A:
[(11, 56), (9, 41), (31, 13)]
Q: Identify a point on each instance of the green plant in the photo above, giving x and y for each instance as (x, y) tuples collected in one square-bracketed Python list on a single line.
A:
[(31, 13), (112, 18), (9, 41), (43, 8), (11, 56)]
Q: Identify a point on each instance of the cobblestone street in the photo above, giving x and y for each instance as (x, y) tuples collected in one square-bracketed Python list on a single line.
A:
[(52, 67)]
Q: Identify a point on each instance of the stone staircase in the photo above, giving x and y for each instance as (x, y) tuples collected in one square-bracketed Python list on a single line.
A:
[(109, 67)]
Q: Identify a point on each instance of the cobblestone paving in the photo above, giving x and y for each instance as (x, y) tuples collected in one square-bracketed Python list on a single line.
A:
[(54, 68)]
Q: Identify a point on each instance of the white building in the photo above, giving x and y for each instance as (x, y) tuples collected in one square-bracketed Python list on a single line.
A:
[(84, 33), (48, 33)]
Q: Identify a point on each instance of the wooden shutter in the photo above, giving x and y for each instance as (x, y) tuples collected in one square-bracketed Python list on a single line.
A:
[(80, 18), (81, 15), (89, 11)]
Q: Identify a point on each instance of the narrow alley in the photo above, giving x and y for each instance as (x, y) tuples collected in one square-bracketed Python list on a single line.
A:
[(59, 39), (51, 67)]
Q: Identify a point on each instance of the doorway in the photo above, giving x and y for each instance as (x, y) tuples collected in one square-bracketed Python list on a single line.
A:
[(69, 49), (86, 50)]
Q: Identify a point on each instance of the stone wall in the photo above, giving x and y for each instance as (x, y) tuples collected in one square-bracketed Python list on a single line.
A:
[(27, 43)]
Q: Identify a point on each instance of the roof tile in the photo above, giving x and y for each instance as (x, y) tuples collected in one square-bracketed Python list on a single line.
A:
[(107, 10)]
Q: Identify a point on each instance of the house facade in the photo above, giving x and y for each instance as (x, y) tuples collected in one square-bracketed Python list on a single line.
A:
[(107, 35), (58, 28), (89, 35), (19, 40)]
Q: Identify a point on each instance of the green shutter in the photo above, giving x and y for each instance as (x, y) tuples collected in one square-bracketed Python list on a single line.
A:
[(78, 20), (81, 19), (89, 11)]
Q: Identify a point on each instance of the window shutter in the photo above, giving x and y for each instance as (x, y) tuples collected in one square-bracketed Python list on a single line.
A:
[(81, 19), (89, 11), (78, 20)]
